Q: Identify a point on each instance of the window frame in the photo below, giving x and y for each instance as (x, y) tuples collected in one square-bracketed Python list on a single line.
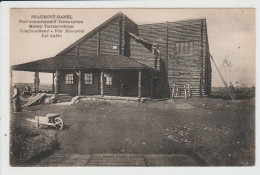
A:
[(69, 79), (88, 78), (184, 48), (108, 79)]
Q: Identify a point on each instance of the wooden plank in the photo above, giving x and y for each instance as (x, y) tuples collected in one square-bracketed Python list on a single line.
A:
[(102, 82), (117, 160), (139, 84), (34, 100)]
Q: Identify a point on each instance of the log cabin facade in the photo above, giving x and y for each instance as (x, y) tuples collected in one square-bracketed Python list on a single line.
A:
[(122, 58)]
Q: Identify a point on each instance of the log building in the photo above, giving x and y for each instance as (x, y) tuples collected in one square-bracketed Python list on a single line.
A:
[(122, 58)]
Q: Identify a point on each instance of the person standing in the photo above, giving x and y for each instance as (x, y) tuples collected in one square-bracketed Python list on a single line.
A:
[(231, 87), (16, 100), (27, 91)]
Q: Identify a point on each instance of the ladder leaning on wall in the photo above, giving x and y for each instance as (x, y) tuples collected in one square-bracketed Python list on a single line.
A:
[(181, 91)]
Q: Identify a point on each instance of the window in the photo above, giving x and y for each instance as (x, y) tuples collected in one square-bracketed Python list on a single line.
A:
[(108, 79), (69, 79), (88, 78), (184, 47)]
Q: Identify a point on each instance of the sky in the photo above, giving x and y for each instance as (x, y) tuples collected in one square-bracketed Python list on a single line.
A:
[(231, 34)]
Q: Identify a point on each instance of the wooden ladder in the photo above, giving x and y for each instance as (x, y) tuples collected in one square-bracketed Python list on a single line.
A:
[(182, 91)]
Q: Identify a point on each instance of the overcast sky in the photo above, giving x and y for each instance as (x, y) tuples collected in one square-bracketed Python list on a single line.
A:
[(231, 33)]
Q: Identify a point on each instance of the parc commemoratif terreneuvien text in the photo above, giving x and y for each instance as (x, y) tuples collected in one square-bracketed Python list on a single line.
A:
[(50, 26)]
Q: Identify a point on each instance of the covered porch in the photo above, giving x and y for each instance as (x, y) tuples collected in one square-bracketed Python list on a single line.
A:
[(103, 75)]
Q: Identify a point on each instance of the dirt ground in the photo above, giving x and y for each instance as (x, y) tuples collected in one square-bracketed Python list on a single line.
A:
[(213, 131)]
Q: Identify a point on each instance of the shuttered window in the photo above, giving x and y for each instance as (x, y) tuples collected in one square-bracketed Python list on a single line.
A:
[(69, 79), (88, 78), (184, 47), (108, 78)]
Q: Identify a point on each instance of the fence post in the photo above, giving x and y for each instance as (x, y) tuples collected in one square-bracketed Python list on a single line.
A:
[(37, 122)]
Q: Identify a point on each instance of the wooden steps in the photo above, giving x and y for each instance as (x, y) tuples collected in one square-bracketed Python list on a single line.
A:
[(35, 100), (59, 160), (64, 98), (117, 160)]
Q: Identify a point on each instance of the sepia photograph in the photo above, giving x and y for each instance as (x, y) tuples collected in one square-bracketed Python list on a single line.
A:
[(149, 87)]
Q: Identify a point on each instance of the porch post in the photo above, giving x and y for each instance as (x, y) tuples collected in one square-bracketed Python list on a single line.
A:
[(11, 77), (139, 84), (102, 83), (152, 85), (53, 76), (79, 82), (56, 86), (36, 82)]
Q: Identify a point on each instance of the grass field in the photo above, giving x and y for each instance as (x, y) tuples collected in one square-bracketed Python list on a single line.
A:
[(213, 131)]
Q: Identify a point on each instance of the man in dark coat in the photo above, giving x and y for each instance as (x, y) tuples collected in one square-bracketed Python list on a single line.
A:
[(16, 100), (27, 91)]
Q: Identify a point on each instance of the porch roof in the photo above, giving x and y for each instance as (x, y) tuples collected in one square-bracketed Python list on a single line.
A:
[(80, 62)]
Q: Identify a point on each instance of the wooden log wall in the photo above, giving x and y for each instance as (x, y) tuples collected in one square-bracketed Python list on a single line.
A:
[(68, 88), (109, 37), (112, 90), (141, 54), (132, 27), (208, 70), (146, 84), (91, 89), (130, 78), (89, 46), (185, 68), (112, 35), (155, 33), (71, 52), (194, 68)]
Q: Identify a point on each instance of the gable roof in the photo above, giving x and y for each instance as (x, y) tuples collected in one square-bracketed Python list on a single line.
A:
[(91, 33), (80, 62)]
